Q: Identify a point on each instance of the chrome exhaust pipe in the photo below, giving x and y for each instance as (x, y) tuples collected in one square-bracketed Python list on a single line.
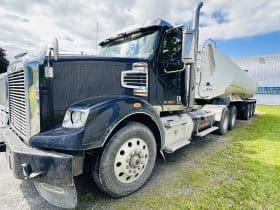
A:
[(196, 11), (193, 66), (195, 23)]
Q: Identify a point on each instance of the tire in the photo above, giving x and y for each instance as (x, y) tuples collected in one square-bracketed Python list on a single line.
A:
[(246, 112), (223, 124), (232, 117), (126, 162), (254, 109), (251, 110)]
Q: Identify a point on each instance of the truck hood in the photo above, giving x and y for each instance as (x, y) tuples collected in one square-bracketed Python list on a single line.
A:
[(76, 78)]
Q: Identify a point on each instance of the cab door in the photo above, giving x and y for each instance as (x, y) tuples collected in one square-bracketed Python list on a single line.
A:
[(171, 72)]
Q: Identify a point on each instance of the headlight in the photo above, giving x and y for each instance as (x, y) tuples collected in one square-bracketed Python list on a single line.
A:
[(75, 118)]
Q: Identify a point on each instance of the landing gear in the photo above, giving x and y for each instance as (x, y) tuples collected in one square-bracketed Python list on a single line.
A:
[(126, 162)]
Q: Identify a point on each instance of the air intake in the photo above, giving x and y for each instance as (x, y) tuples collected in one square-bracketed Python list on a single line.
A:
[(136, 79)]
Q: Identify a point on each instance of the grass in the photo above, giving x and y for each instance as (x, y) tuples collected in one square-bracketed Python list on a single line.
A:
[(243, 175)]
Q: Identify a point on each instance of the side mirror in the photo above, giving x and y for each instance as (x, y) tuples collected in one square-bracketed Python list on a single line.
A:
[(55, 49), (188, 54)]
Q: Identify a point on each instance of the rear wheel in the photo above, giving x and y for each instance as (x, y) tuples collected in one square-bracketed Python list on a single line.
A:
[(254, 109), (246, 112), (126, 162), (232, 117), (250, 110), (224, 123)]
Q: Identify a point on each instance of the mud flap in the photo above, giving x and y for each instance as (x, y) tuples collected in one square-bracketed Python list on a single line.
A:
[(64, 197)]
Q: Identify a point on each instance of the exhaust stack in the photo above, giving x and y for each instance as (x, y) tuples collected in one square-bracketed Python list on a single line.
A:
[(189, 53), (195, 24)]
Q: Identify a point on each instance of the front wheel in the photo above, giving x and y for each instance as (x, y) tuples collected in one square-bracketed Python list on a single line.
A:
[(126, 162)]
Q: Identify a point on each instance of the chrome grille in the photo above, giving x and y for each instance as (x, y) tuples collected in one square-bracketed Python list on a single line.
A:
[(18, 103)]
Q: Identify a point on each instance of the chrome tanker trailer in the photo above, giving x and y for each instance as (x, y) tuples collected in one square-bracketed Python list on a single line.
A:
[(147, 93)]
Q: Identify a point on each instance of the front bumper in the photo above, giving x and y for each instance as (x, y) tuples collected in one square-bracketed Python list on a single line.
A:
[(42, 166)]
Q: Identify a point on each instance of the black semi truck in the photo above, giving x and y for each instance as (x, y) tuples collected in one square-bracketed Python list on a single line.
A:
[(147, 93)]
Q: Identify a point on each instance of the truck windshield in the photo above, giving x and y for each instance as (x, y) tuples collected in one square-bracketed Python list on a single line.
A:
[(140, 44)]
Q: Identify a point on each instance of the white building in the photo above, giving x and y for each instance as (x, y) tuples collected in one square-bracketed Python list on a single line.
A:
[(266, 71)]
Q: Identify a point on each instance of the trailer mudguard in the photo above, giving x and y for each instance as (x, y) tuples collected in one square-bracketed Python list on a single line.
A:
[(105, 113)]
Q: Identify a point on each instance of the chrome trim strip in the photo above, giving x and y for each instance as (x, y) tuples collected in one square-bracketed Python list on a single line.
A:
[(33, 95), (165, 108)]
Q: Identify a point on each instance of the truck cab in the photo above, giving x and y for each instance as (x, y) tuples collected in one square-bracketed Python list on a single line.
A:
[(122, 108)]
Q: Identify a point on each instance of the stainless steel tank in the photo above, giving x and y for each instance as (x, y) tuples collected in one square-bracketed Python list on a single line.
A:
[(217, 75)]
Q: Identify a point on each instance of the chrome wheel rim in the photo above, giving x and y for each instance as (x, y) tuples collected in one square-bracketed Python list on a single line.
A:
[(131, 160)]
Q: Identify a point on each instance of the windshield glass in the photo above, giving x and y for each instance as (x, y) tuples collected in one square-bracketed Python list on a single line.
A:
[(137, 45)]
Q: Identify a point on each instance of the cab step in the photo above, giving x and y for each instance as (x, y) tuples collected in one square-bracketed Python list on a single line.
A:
[(179, 144), (207, 131)]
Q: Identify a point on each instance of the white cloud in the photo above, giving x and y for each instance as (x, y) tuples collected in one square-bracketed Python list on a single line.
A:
[(26, 25)]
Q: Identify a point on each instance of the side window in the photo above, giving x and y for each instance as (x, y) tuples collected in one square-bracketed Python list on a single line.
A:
[(170, 59), (172, 51)]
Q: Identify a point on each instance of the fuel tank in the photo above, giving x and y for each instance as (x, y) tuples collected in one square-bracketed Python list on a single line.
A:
[(218, 76)]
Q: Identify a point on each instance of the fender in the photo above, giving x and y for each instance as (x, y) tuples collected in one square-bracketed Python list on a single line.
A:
[(105, 113)]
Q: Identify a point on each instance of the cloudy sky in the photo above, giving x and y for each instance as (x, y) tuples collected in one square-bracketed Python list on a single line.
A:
[(241, 27)]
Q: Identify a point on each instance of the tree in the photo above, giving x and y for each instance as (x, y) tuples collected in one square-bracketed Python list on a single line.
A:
[(3, 61)]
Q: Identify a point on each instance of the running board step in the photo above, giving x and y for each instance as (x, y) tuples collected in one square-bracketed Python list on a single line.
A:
[(173, 147), (206, 131)]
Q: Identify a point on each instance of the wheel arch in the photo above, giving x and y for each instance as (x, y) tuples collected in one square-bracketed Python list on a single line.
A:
[(142, 118)]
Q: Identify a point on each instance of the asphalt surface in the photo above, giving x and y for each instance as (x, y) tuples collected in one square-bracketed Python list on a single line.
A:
[(18, 194)]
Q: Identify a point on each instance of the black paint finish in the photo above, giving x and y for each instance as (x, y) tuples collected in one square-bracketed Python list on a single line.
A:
[(106, 112), (95, 83), (56, 168), (78, 78)]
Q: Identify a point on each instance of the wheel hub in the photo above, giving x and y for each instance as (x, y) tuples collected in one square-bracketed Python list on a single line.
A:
[(131, 160), (135, 161)]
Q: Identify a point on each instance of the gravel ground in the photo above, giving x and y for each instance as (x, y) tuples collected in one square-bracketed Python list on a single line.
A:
[(17, 194)]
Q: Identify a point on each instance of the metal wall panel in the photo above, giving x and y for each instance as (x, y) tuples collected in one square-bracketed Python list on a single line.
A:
[(266, 71)]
